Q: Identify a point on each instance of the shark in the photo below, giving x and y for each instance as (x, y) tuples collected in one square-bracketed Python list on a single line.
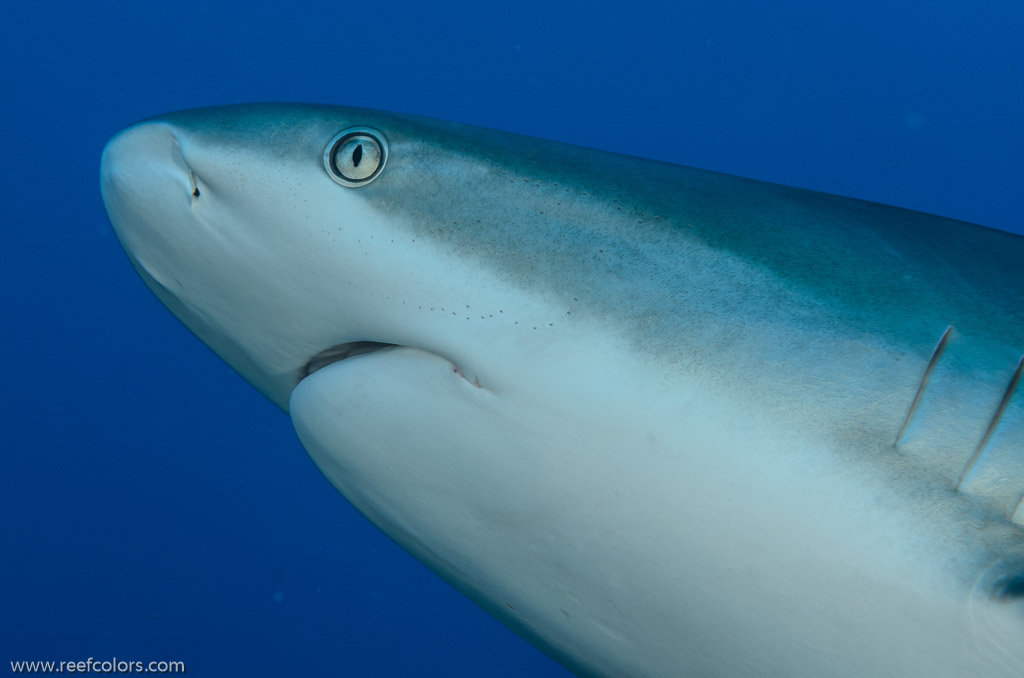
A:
[(659, 421)]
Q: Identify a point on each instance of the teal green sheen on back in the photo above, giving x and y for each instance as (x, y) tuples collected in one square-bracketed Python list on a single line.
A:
[(658, 420)]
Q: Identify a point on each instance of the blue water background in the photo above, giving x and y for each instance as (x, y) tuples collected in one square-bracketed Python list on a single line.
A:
[(154, 506)]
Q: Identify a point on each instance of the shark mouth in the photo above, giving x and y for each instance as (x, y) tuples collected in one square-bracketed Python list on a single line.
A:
[(353, 349), (340, 352)]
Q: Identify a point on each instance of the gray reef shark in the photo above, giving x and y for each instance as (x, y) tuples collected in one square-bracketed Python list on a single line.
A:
[(659, 421)]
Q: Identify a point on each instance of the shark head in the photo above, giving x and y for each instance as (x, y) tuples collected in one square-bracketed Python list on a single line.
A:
[(242, 222), (289, 236)]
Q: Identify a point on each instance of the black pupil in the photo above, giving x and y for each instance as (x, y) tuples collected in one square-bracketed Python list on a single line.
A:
[(357, 155)]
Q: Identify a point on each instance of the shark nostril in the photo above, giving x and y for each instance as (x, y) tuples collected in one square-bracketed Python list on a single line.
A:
[(193, 184)]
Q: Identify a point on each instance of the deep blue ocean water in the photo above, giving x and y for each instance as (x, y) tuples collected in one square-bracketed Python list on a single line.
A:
[(154, 506)]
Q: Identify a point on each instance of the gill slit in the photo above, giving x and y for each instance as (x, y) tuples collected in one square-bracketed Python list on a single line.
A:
[(924, 383), (1003, 404)]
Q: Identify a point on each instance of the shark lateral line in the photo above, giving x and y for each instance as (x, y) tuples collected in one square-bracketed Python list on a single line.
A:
[(652, 418)]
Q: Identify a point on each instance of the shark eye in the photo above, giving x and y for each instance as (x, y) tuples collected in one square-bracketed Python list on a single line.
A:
[(355, 156)]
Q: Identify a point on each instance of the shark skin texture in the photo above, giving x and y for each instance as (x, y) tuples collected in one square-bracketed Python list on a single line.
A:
[(659, 421)]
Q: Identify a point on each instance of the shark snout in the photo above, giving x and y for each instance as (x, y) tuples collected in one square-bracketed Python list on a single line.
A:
[(143, 173), (149, 192)]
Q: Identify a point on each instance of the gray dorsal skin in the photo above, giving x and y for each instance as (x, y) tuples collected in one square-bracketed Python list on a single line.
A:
[(660, 421)]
